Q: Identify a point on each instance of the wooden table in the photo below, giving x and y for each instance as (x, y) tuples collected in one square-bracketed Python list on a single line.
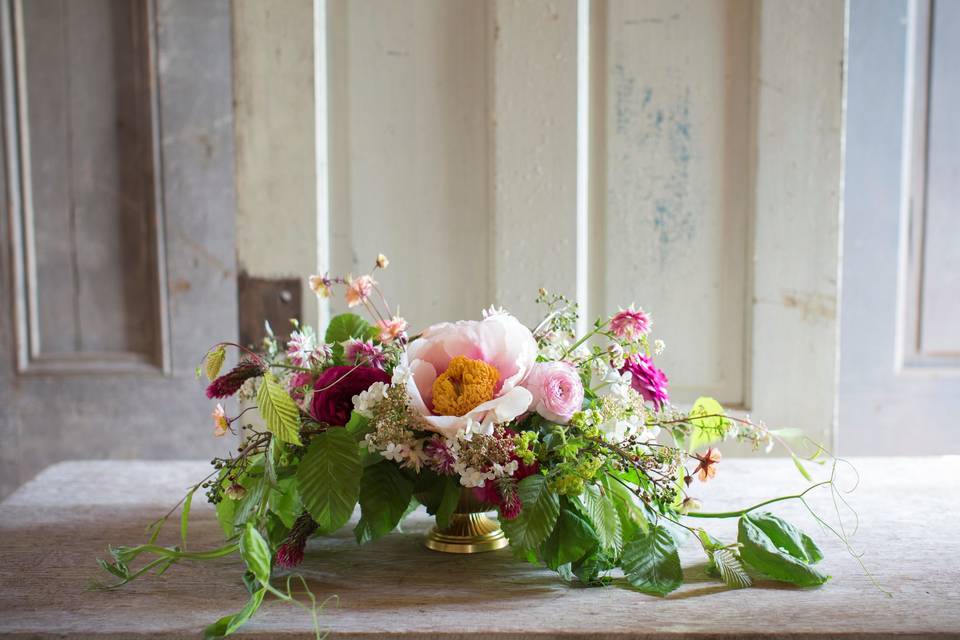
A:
[(54, 527)]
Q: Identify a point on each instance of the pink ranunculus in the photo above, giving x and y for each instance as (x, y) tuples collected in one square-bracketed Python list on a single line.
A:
[(501, 342), (557, 390)]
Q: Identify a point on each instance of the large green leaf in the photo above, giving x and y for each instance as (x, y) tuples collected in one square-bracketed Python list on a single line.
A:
[(538, 515), (448, 501), (228, 624), (762, 553), (786, 537), (633, 522), (329, 478), (384, 496), (284, 501), (651, 562), (710, 426), (343, 327), (256, 553), (279, 410), (603, 515), (572, 538)]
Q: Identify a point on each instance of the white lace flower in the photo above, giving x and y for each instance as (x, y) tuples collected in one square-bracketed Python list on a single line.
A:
[(659, 346), (365, 401), (415, 455), (394, 452)]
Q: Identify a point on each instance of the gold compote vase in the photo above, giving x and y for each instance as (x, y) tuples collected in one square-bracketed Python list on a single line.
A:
[(470, 530)]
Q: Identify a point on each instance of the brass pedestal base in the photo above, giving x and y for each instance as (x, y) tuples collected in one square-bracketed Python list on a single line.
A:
[(467, 533), (470, 530)]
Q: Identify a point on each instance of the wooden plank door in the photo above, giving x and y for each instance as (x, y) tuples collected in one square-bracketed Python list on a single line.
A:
[(900, 330), (117, 252)]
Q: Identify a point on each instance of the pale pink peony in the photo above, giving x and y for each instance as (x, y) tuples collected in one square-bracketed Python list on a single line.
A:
[(557, 390), (501, 342), (630, 323)]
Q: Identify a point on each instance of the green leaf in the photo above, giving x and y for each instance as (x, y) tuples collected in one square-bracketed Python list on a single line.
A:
[(329, 478), (802, 469), (343, 327), (185, 519), (384, 496), (279, 410), (709, 428), (729, 569), (256, 553), (589, 569), (603, 515), (228, 624), (760, 552), (633, 523), (226, 509), (572, 538), (284, 501), (214, 361), (448, 502), (358, 426), (538, 516), (786, 537), (651, 562)]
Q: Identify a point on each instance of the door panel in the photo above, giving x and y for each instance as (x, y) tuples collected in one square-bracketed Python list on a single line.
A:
[(900, 339), (118, 268)]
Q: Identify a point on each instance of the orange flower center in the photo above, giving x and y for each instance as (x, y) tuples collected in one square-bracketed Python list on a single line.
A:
[(465, 384)]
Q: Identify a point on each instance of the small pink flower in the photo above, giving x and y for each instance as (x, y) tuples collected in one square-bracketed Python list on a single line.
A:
[(364, 352), (220, 423), (707, 468), (391, 329), (647, 380), (359, 290), (557, 390), (321, 285), (630, 323), (439, 456)]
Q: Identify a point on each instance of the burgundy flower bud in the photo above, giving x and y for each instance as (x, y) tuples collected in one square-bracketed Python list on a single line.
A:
[(230, 382), (290, 554)]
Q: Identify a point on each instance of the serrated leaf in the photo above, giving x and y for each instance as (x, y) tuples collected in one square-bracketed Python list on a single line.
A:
[(228, 624), (729, 569), (256, 553), (214, 362), (538, 515), (285, 503), (329, 479), (786, 537), (603, 516), (572, 538), (279, 411), (761, 553), (651, 562), (384, 496), (709, 425), (633, 523)]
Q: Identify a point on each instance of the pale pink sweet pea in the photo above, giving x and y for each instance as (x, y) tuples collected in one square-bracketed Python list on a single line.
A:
[(557, 390), (499, 340)]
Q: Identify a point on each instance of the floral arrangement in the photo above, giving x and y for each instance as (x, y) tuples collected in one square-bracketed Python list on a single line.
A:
[(571, 439)]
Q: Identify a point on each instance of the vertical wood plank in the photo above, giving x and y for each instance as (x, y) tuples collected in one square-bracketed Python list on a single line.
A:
[(677, 173), (534, 185), (277, 222), (799, 91), (408, 151)]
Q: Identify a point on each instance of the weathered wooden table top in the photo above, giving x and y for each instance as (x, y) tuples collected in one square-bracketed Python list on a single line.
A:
[(53, 528)]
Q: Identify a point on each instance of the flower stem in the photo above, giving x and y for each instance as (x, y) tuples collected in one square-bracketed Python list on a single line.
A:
[(737, 514)]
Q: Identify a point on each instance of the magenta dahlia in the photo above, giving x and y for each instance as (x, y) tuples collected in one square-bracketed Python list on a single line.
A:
[(647, 379)]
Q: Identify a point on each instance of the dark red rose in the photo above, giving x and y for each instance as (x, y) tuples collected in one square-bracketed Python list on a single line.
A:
[(334, 390)]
